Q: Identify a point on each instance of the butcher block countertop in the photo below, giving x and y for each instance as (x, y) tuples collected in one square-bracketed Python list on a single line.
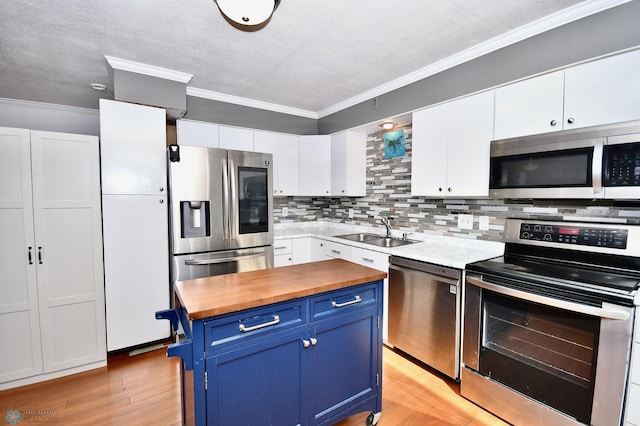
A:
[(222, 294)]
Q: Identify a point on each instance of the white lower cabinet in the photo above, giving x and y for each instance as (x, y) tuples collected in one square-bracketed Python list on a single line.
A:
[(282, 253), (51, 280), (380, 261)]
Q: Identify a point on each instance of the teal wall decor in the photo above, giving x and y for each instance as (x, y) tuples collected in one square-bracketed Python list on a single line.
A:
[(394, 144)]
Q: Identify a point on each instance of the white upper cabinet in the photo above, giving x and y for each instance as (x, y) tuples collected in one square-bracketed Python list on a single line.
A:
[(450, 148), (286, 163), (235, 138), (197, 133), (603, 92), (314, 165), (132, 148), (348, 164), (530, 107), (599, 92)]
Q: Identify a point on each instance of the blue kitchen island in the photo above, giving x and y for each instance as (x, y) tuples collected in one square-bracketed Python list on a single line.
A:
[(296, 345)]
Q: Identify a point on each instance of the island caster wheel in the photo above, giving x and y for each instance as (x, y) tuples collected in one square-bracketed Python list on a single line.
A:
[(373, 418)]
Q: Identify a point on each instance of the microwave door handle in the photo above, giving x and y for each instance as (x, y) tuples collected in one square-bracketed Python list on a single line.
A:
[(225, 201), (193, 262), (548, 301), (596, 166)]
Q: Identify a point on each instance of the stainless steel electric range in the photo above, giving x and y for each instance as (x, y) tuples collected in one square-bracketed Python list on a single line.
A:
[(548, 326)]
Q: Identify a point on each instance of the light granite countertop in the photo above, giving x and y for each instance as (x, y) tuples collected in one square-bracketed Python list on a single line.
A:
[(437, 249)]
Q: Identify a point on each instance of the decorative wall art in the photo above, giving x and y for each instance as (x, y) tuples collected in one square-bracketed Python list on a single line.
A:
[(394, 144)]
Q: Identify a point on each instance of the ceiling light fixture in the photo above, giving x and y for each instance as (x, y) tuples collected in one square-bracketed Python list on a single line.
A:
[(387, 125), (247, 15), (98, 86)]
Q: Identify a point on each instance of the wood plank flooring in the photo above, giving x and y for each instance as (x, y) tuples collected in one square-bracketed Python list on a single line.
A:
[(145, 390)]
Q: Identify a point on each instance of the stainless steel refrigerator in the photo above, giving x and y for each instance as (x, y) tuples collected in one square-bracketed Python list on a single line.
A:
[(221, 211)]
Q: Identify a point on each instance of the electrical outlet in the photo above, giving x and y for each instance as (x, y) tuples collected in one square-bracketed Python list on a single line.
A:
[(483, 224), (350, 213), (465, 221), (285, 211)]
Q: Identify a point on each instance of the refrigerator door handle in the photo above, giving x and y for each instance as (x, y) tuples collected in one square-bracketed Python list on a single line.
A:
[(192, 262), (232, 203), (225, 201)]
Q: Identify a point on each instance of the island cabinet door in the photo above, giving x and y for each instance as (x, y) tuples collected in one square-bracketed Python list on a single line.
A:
[(345, 376), (256, 384)]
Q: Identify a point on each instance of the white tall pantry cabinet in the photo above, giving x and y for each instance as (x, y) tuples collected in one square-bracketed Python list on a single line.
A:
[(135, 222), (51, 275)]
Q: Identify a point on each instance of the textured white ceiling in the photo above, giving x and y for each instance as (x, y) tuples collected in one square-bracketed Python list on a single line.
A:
[(312, 56)]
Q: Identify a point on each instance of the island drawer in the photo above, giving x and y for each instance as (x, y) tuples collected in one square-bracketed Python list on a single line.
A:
[(238, 327), (343, 301)]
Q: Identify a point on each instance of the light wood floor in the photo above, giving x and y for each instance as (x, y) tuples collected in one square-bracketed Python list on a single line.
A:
[(145, 390)]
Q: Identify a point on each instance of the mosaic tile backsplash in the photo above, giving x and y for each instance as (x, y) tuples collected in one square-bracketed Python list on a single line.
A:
[(389, 194)]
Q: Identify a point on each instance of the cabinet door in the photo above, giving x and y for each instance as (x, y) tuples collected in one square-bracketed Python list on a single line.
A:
[(197, 133), (68, 229), (602, 92), (348, 164), (235, 138), (468, 146), (301, 250), (133, 141), (346, 368), (429, 151), (257, 384), (19, 323), (530, 107), (267, 142), (136, 268), (315, 165), (286, 162)]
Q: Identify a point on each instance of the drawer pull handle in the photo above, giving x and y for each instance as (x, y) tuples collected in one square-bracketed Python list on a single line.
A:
[(244, 329), (366, 259), (280, 248), (351, 302), (335, 251)]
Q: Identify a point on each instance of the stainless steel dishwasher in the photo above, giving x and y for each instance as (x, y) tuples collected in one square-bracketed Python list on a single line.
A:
[(424, 313)]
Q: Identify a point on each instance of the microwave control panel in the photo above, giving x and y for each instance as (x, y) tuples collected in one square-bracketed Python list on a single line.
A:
[(622, 164), (575, 235)]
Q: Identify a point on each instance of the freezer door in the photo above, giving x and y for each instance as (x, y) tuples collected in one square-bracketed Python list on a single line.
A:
[(197, 190), (192, 266), (251, 199)]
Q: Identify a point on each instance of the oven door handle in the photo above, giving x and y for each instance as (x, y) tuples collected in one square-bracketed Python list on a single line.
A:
[(549, 301)]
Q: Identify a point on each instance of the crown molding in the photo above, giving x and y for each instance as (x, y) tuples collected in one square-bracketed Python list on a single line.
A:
[(237, 100), (150, 70), (547, 23)]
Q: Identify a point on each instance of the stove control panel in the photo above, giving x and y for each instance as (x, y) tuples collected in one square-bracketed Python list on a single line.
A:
[(575, 235)]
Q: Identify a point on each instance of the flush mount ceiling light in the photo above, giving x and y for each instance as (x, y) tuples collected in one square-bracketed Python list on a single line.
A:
[(247, 15), (387, 125)]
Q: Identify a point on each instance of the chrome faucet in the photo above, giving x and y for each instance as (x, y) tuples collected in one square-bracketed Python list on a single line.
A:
[(387, 224)]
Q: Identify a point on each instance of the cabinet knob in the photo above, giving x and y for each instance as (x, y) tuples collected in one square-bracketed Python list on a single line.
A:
[(553, 122), (306, 343), (449, 190), (570, 120), (314, 341), (439, 189), (161, 201), (161, 189)]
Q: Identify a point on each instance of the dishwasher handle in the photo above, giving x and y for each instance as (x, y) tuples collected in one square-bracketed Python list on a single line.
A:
[(436, 277)]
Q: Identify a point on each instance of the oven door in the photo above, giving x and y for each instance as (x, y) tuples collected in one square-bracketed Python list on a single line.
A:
[(534, 359)]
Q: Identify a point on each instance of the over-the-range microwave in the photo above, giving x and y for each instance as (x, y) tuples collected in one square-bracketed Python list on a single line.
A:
[(600, 162)]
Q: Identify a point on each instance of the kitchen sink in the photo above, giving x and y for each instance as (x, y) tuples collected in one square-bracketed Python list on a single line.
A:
[(376, 240), (360, 237)]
